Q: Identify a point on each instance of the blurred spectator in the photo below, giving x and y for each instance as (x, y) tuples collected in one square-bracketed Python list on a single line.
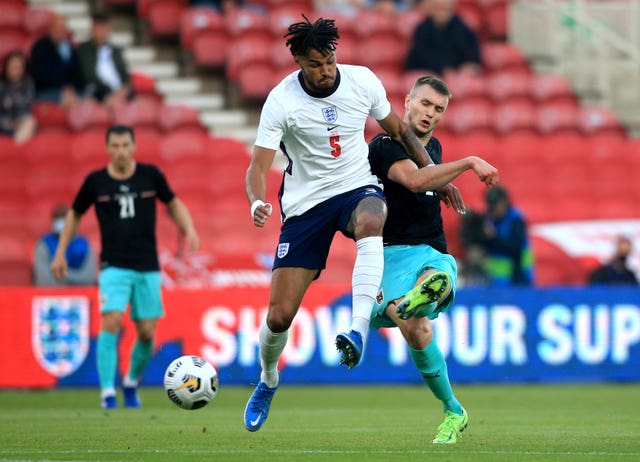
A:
[(82, 261), (509, 258), (102, 66), (616, 271), (54, 65), (443, 42), (387, 6), (344, 7), (472, 266), (16, 98), (222, 6)]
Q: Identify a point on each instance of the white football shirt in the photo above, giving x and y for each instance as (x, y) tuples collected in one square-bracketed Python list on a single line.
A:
[(322, 138)]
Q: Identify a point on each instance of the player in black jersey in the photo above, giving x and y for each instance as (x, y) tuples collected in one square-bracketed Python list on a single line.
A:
[(124, 194), (419, 276)]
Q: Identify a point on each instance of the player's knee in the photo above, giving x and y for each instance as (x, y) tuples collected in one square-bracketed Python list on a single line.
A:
[(369, 224), (278, 321)]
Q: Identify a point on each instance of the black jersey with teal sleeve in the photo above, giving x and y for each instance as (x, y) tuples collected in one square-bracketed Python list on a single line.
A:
[(414, 218), (126, 212)]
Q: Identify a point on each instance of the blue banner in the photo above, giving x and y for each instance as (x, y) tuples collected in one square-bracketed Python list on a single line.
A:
[(491, 335)]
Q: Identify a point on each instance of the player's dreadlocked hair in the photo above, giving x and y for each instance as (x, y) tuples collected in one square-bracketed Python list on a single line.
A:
[(321, 36)]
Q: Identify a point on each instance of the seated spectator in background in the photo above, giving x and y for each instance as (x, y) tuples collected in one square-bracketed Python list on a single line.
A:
[(472, 271), (16, 98), (82, 261), (222, 6), (509, 258), (54, 65), (616, 271), (102, 66), (387, 6), (443, 42)]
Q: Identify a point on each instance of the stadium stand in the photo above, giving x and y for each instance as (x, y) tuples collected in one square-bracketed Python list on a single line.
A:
[(531, 124)]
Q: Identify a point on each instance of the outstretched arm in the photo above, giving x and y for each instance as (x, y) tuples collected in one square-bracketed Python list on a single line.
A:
[(399, 131), (434, 177), (59, 266), (256, 184), (180, 214)]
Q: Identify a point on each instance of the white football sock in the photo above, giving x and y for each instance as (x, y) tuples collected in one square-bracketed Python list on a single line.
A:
[(365, 282), (271, 346)]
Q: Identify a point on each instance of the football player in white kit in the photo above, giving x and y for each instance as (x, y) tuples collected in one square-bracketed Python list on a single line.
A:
[(316, 116)]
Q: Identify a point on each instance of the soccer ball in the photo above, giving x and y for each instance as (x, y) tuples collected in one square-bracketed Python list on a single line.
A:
[(191, 382)]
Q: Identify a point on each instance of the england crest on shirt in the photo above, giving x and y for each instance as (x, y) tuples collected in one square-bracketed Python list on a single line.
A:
[(330, 114), (60, 332)]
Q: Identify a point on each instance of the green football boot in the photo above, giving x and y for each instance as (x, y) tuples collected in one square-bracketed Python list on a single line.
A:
[(451, 429), (425, 296)]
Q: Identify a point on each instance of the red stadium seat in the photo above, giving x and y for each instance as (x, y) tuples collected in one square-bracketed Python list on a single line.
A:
[(514, 117), (12, 40), (247, 50), (469, 118), (547, 88), (381, 51), (12, 15), (36, 22), (210, 48), (369, 22), (50, 116), (255, 81), (600, 120), (406, 23), (390, 78), (172, 117), (558, 117), (175, 146), (502, 56), (194, 20), (138, 113), (88, 114), (467, 87), (48, 146), (18, 273), (280, 18), (508, 86), (164, 17), (496, 20), (145, 86), (88, 149), (246, 22)]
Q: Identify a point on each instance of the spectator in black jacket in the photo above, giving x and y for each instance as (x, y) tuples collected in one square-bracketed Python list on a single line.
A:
[(54, 65), (102, 66), (443, 42), (616, 270)]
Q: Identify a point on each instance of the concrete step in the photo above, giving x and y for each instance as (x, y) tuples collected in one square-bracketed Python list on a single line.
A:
[(123, 38), (139, 55), (216, 120), (180, 86), (157, 70), (246, 134), (66, 8), (202, 102)]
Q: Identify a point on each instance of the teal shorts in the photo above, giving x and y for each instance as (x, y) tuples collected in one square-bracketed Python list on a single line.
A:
[(403, 265), (120, 287)]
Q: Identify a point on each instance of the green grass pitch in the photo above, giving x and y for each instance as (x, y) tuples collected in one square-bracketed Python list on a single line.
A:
[(329, 423)]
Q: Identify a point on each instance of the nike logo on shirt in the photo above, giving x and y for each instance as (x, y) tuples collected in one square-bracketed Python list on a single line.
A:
[(332, 128)]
